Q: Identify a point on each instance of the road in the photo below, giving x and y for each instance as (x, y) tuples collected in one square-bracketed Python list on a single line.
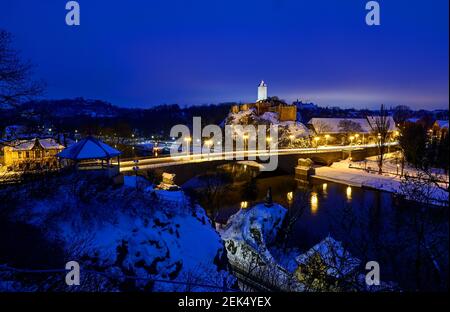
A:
[(163, 161)]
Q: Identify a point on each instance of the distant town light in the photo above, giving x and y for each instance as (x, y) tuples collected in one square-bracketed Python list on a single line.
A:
[(244, 204)]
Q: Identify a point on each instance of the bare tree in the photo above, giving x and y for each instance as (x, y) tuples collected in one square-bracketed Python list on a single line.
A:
[(349, 126), (321, 127), (15, 83), (295, 211), (380, 126), (215, 187)]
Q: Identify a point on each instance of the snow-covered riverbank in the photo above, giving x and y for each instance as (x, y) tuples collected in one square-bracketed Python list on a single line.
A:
[(351, 173)]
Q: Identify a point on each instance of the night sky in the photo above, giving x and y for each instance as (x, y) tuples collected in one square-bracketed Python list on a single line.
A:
[(142, 53)]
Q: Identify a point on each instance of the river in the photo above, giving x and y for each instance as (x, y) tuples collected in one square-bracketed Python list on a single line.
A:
[(409, 241)]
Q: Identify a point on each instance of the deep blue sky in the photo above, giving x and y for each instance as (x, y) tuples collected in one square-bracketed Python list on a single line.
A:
[(148, 52)]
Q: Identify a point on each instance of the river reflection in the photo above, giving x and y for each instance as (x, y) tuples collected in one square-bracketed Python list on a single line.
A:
[(371, 224), (314, 203)]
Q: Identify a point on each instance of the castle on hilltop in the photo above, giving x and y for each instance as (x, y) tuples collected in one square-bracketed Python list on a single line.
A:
[(286, 112)]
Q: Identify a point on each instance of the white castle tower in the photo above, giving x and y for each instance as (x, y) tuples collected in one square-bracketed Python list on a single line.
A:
[(262, 91)]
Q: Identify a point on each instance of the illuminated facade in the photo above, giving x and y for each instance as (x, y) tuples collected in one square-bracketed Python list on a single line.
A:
[(262, 91), (32, 154)]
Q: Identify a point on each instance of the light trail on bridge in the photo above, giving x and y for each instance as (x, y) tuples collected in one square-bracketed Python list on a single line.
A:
[(149, 163)]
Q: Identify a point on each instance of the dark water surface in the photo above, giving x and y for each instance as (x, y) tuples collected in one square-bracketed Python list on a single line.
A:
[(409, 241)]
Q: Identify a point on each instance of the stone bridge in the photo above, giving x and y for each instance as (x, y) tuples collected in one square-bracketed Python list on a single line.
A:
[(186, 170)]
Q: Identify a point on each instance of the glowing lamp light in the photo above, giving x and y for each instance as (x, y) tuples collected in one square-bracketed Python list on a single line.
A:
[(244, 204), (290, 196), (324, 187), (349, 192), (314, 203)]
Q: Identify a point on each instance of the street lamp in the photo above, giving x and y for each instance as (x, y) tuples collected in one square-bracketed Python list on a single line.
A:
[(245, 137), (327, 136), (268, 140), (208, 144), (292, 137), (317, 142), (187, 140), (351, 143)]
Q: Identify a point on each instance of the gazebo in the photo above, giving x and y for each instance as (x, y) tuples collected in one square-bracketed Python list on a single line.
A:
[(86, 155)]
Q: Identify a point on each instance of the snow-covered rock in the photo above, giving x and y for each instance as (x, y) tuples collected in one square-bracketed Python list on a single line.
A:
[(336, 260), (255, 227), (135, 236), (290, 133)]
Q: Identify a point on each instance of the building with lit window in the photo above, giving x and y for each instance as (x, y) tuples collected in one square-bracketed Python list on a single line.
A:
[(31, 154)]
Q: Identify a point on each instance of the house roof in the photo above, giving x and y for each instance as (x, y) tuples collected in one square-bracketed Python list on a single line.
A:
[(26, 145), (331, 125), (89, 148)]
